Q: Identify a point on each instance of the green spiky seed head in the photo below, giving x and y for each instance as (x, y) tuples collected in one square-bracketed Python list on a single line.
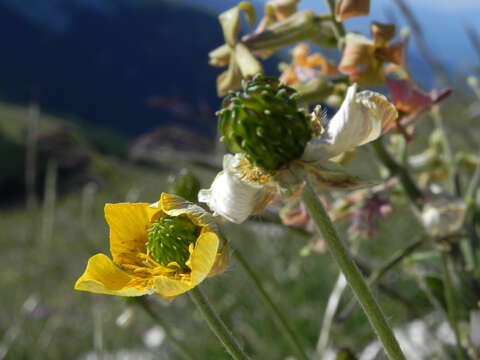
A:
[(263, 122), (169, 239), (185, 185)]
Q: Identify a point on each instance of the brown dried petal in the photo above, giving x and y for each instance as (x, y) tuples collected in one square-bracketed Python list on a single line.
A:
[(382, 33), (347, 9)]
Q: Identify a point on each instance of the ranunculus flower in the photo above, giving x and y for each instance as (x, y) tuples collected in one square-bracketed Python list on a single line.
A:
[(167, 248), (266, 162)]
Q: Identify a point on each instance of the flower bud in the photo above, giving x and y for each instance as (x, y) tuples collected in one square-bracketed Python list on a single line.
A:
[(185, 185), (264, 123), (301, 26)]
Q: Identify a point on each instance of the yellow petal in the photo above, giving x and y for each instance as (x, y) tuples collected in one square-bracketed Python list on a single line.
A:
[(102, 276), (128, 230), (231, 79), (247, 63), (174, 205), (220, 56), (222, 262), (230, 21), (203, 256), (168, 287)]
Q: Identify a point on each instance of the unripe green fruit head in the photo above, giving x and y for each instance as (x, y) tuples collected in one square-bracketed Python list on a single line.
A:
[(169, 239), (263, 122)]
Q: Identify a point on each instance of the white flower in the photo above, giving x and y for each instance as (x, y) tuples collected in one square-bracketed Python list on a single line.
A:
[(242, 189)]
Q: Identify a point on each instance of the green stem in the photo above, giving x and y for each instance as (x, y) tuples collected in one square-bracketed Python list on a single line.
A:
[(276, 313), (217, 325), (452, 313), (396, 259), (352, 274), (378, 274), (447, 149), (179, 347), (472, 242), (409, 186), (338, 26)]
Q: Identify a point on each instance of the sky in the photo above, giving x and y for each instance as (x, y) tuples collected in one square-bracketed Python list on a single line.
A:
[(443, 22)]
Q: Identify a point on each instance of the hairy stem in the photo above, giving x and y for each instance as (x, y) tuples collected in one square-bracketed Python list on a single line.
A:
[(378, 274), (452, 308), (337, 26), (352, 274), (216, 324), (409, 186)]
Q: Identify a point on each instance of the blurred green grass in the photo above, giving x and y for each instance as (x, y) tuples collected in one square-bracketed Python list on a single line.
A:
[(65, 322)]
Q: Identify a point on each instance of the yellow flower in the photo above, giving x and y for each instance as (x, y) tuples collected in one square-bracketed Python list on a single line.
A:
[(167, 248)]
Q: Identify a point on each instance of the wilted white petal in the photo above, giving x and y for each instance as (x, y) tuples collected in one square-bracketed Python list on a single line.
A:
[(230, 196), (361, 119), (443, 216), (327, 174)]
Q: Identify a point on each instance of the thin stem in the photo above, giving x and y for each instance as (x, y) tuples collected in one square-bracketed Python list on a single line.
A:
[(447, 149), (330, 311), (217, 325), (276, 313), (473, 185), (395, 260), (452, 313), (378, 274), (472, 242), (352, 274), (409, 186), (179, 347), (338, 26)]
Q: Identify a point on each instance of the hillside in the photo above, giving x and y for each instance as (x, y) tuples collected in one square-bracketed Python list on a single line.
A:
[(106, 65)]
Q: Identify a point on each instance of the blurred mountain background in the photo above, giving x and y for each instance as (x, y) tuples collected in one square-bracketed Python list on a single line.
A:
[(131, 77), (130, 65)]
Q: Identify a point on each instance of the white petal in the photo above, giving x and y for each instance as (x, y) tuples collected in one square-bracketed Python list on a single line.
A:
[(230, 196), (361, 119)]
